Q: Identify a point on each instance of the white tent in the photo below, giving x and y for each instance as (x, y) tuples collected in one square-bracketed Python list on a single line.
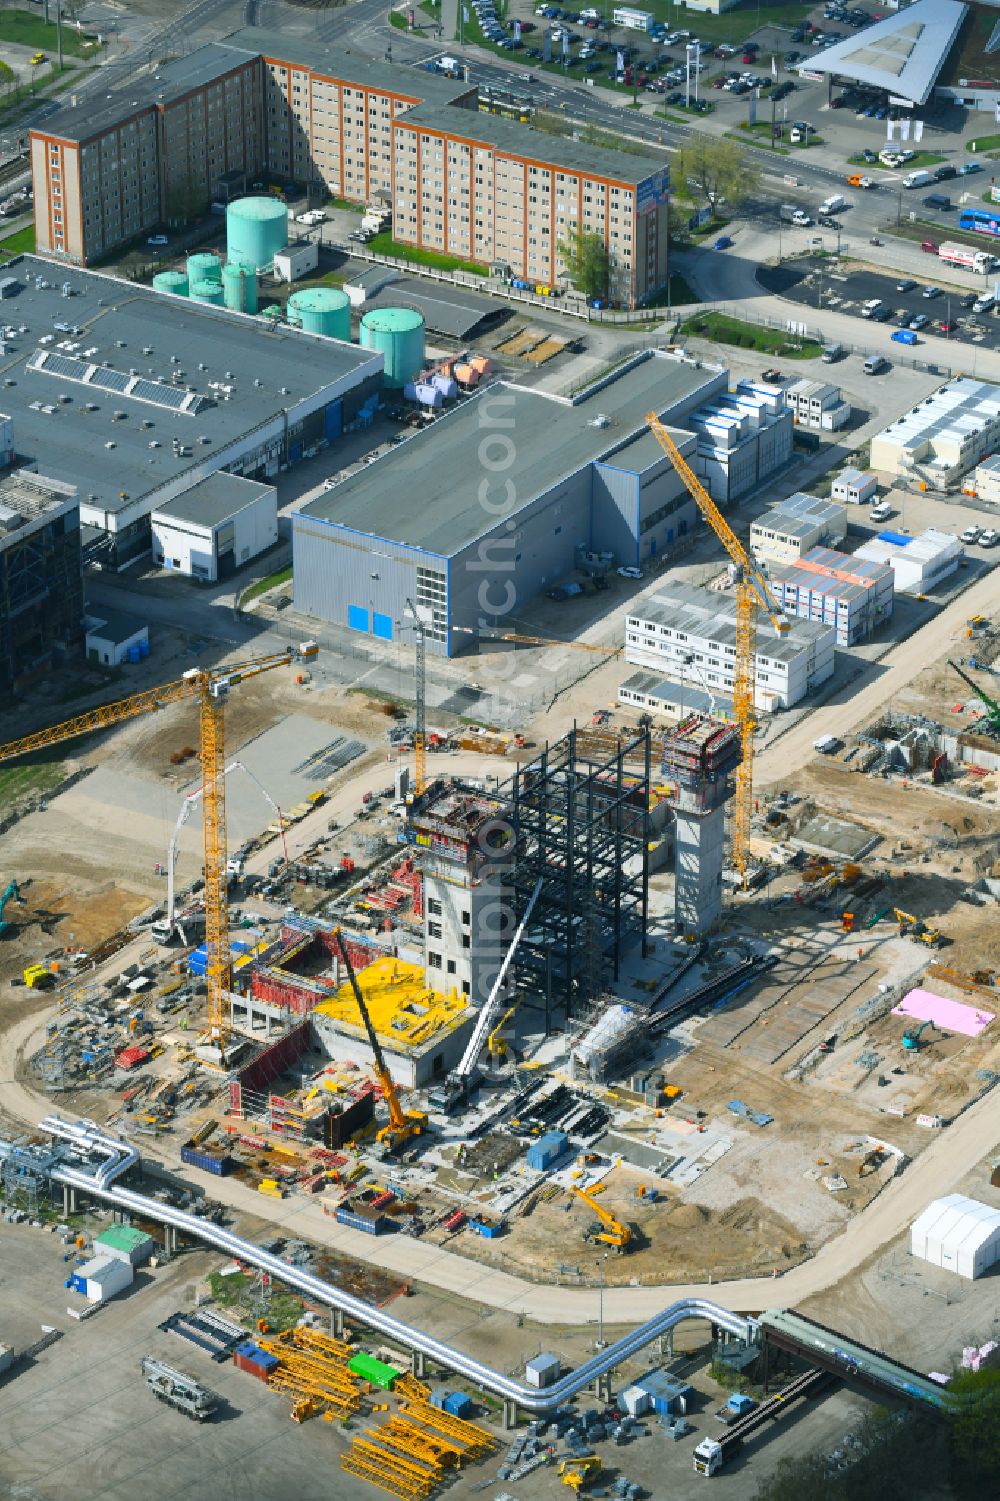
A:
[(957, 1233)]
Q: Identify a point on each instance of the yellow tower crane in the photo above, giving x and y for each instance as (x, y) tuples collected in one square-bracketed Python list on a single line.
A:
[(211, 689), (752, 593)]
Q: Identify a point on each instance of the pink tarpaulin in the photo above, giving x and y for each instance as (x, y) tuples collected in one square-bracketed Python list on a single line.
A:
[(951, 1016)]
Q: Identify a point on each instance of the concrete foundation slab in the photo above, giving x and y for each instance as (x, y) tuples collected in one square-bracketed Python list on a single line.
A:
[(835, 836)]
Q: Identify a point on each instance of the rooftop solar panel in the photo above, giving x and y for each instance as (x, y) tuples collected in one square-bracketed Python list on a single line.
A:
[(111, 380)]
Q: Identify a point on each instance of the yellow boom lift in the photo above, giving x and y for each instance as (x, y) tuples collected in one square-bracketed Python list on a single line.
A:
[(210, 687), (752, 593), (612, 1232), (402, 1123)]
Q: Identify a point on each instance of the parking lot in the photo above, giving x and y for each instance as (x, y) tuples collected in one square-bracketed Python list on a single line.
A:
[(948, 311)]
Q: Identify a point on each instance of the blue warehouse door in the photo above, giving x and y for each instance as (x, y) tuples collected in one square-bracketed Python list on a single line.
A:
[(334, 419), (357, 618), (382, 626)]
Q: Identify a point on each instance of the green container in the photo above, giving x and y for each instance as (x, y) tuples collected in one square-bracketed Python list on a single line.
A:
[(171, 281), (239, 289), (204, 266), (256, 229), (376, 1371), (397, 333), (207, 291), (321, 310)]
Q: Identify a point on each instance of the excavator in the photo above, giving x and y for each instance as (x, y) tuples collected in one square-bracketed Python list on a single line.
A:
[(403, 1124), (12, 894), (917, 929), (610, 1232), (991, 722), (911, 1037)]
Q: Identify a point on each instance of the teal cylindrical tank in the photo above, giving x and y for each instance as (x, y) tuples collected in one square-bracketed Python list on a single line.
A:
[(256, 229), (171, 281), (398, 334), (321, 310), (239, 288), (203, 266), (207, 291)]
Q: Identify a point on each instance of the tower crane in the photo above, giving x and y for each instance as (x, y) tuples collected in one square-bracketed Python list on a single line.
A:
[(211, 688), (612, 1232), (420, 618), (402, 1123), (752, 594)]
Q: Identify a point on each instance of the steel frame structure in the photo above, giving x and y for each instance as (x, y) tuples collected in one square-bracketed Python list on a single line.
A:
[(580, 817)]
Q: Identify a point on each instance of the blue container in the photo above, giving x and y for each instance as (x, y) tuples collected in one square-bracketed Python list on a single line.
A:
[(144, 647), (547, 1150), (458, 1404), (439, 1397), (134, 654), (219, 1165), (740, 1403), (371, 1224)]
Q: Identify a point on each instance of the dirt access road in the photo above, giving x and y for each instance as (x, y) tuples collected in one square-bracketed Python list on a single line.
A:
[(848, 709)]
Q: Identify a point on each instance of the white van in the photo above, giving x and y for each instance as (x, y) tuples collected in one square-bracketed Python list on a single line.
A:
[(827, 744), (918, 179), (832, 204), (984, 303)]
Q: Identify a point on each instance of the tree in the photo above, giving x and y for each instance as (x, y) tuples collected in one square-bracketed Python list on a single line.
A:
[(587, 262), (975, 1422), (709, 170)]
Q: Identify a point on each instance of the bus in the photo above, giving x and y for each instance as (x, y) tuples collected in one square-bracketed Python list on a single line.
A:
[(982, 221)]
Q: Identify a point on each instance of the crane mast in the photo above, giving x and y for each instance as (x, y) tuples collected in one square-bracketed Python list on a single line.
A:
[(211, 689), (752, 592)]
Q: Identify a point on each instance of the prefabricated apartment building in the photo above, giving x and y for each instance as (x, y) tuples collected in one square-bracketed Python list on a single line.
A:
[(498, 500), (461, 182)]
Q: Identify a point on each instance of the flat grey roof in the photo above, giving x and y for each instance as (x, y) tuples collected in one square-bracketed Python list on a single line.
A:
[(172, 81), (114, 625), (331, 60), (70, 443), (903, 54), (445, 309), (425, 492), (712, 616), (669, 690), (561, 152), (215, 499)]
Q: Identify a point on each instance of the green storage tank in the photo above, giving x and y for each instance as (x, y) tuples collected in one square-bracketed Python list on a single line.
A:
[(207, 291), (376, 1371), (204, 266), (321, 310), (239, 288), (398, 334), (256, 229), (171, 281)]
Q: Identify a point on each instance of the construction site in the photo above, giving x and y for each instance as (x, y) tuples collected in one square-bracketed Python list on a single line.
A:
[(599, 1006)]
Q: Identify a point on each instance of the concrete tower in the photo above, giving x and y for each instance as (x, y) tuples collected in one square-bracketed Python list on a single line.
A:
[(699, 758)]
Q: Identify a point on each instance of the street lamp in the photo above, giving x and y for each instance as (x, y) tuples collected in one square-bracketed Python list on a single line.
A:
[(601, 1342)]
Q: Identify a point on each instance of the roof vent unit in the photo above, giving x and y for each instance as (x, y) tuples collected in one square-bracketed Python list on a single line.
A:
[(119, 343), (283, 391), (111, 444), (155, 443), (204, 439), (9, 381), (202, 365), (230, 375), (65, 398), (146, 422), (601, 420), (175, 359), (257, 382), (147, 349), (119, 416)]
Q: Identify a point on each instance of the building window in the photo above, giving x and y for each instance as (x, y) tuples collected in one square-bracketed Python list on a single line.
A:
[(434, 961), (452, 966), (433, 907), (466, 941)]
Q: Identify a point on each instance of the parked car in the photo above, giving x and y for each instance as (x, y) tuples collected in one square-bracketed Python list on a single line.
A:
[(722, 243), (881, 512), (972, 534), (919, 321), (906, 285), (989, 538), (931, 292), (158, 240), (628, 572)]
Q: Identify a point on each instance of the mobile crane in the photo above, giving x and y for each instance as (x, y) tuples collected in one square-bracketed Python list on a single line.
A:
[(403, 1124), (611, 1232), (753, 593), (210, 687), (12, 894)]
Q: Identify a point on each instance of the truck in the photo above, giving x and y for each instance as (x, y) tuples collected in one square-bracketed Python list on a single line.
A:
[(918, 179), (967, 256), (791, 215), (833, 204), (178, 1390), (711, 1454)]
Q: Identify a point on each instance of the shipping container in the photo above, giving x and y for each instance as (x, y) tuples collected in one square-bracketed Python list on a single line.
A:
[(458, 1404), (376, 1371), (218, 1163), (371, 1224), (547, 1149), (543, 1370)]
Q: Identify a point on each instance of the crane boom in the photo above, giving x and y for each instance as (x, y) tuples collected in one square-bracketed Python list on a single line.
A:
[(752, 592), (211, 688), (420, 668), (991, 703), (614, 1232), (402, 1124)]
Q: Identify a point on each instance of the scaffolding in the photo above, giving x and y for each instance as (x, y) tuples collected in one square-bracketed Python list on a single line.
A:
[(581, 819)]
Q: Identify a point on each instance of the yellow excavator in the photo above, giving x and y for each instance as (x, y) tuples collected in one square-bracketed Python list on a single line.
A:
[(403, 1124), (609, 1231), (917, 929)]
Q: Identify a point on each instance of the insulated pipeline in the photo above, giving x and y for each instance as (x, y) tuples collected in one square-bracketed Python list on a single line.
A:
[(102, 1185)]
